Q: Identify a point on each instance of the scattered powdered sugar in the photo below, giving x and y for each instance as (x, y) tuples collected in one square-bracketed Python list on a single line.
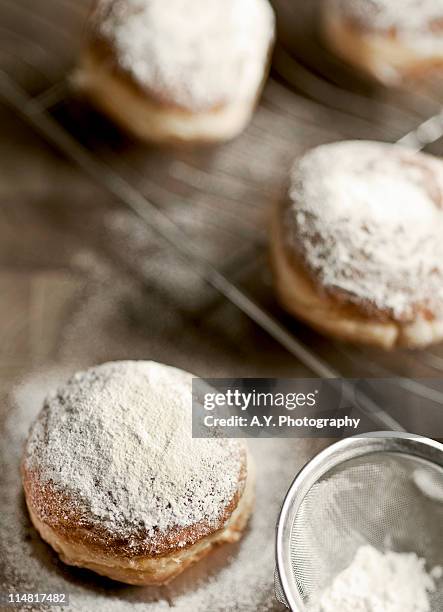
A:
[(408, 16), (367, 218), (233, 578), (192, 53), (380, 582), (113, 319), (117, 440)]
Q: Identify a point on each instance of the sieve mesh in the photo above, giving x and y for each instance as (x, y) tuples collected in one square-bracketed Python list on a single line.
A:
[(385, 499)]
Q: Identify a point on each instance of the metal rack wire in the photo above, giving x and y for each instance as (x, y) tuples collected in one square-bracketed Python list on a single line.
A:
[(299, 103)]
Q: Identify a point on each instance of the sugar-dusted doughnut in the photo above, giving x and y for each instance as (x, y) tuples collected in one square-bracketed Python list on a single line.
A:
[(115, 483), (357, 245), (181, 70), (389, 40)]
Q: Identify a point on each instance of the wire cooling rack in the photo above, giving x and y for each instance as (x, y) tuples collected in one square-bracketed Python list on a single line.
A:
[(211, 206)]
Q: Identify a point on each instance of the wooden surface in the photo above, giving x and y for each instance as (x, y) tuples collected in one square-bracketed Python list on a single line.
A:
[(81, 281)]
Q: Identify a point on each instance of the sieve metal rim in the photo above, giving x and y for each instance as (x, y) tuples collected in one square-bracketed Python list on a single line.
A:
[(337, 453)]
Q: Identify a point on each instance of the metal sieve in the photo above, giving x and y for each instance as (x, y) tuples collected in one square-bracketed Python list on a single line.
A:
[(383, 489)]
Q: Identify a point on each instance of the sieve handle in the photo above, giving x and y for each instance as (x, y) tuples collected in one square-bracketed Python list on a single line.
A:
[(278, 589)]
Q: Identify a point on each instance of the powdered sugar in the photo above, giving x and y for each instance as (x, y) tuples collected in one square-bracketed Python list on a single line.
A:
[(194, 54), (117, 439), (406, 16), (380, 582), (367, 219), (429, 484)]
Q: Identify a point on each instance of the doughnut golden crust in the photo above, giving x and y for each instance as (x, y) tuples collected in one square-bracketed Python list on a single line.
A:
[(186, 71), (348, 265), (391, 41), (81, 548), (143, 528)]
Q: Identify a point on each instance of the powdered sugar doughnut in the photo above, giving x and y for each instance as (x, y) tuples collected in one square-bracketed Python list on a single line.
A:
[(181, 70), (114, 481), (357, 246), (389, 40)]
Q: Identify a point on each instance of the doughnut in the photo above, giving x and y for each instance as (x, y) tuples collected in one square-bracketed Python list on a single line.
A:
[(357, 248), (177, 71), (391, 41), (115, 483)]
